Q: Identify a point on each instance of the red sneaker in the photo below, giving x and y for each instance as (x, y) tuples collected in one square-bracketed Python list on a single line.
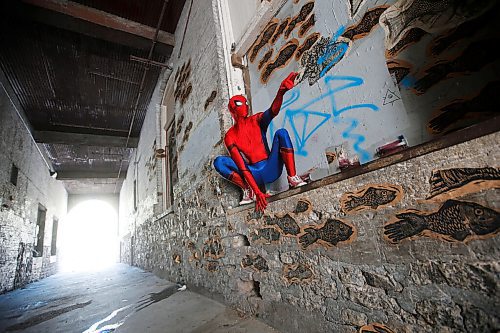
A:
[(296, 181), (248, 196)]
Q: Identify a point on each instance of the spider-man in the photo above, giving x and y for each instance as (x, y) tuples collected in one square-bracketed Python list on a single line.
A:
[(251, 163)]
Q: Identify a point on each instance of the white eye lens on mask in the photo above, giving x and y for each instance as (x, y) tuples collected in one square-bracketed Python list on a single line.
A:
[(246, 102), (238, 103)]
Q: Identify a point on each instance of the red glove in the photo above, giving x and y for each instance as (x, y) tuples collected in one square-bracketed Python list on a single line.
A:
[(261, 201), (289, 82)]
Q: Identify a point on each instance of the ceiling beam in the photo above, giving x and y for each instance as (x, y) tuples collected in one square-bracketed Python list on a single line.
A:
[(104, 19), (79, 139), (85, 174)]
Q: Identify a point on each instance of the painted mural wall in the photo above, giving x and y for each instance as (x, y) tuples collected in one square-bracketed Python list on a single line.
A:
[(373, 71)]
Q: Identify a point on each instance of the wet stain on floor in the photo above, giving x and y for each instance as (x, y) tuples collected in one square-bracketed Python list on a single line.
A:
[(35, 320)]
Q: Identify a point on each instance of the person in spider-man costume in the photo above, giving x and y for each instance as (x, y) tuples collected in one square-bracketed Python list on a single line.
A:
[(251, 162)]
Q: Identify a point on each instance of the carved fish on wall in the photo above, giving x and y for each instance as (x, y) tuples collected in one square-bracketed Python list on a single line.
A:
[(455, 221), (370, 197), (476, 179), (330, 234)]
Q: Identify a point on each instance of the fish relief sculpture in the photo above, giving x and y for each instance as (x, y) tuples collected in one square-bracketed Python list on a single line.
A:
[(373, 196), (329, 234), (455, 221), (461, 181)]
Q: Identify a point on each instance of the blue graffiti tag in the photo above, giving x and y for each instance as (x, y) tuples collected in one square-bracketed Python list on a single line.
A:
[(333, 48), (307, 114)]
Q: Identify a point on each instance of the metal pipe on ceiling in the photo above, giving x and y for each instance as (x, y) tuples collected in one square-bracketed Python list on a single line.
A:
[(141, 87)]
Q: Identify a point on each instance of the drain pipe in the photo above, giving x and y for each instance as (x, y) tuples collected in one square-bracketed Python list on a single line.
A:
[(141, 87)]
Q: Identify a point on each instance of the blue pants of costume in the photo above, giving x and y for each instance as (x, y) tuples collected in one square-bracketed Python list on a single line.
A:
[(265, 171)]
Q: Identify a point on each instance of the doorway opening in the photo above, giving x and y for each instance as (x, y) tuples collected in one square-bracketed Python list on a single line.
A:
[(89, 237)]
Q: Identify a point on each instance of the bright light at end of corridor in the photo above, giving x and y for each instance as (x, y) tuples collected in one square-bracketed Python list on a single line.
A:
[(89, 237)]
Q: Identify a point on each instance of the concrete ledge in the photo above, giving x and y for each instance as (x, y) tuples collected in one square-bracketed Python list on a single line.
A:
[(448, 140)]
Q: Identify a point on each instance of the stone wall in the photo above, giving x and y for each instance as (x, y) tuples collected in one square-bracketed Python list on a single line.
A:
[(318, 261), (19, 203), (331, 259)]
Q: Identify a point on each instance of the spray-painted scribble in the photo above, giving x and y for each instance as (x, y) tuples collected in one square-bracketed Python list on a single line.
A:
[(323, 55), (366, 24), (444, 181), (455, 221), (390, 97), (428, 15), (305, 114)]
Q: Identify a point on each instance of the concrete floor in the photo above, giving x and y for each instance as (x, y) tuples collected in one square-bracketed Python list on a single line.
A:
[(118, 299)]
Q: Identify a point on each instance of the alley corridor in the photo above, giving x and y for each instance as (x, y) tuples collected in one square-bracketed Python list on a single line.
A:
[(118, 299), (317, 166)]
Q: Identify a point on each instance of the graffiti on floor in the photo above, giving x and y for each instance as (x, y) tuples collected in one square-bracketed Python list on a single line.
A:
[(297, 273), (329, 234), (375, 328), (373, 196), (183, 86), (460, 181), (455, 221), (256, 262)]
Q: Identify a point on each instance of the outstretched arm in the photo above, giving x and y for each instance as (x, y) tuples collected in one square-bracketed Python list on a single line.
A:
[(261, 202), (286, 85)]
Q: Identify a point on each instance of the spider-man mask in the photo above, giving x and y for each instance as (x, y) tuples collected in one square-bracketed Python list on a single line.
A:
[(238, 106)]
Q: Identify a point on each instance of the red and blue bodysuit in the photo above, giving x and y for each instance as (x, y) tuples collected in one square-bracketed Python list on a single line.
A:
[(251, 163)]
